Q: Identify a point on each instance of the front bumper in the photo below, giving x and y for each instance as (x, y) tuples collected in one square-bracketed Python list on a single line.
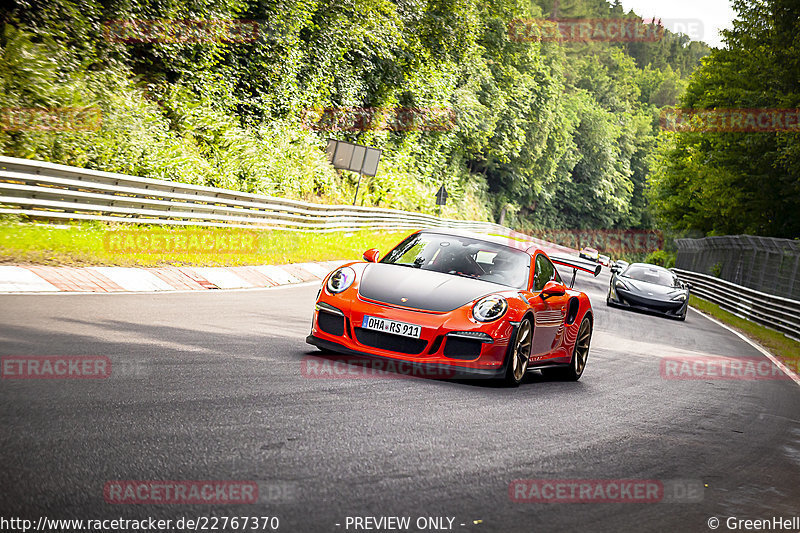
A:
[(626, 299), (417, 369), (450, 341)]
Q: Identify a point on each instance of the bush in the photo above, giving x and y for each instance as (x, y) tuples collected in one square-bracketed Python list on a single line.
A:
[(661, 258), (169, 132)]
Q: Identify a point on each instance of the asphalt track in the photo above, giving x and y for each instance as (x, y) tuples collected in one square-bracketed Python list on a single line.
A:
[(209, 387)]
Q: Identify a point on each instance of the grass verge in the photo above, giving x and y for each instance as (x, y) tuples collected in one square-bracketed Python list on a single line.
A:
[(86, 244), (777, 343)]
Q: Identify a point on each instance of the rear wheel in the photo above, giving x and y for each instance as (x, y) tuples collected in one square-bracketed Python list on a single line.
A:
[(520, 354), (580, 354)]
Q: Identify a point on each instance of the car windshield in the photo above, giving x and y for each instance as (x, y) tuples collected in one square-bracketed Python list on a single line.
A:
[(463, 256), (651, 274)]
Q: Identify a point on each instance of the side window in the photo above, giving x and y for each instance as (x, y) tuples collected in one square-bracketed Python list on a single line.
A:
[(545, 271), (557, 276)]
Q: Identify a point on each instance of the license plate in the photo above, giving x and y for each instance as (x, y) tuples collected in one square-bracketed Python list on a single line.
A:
[(391, 326)]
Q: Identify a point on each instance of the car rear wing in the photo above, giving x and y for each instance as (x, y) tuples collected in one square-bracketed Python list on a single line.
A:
[(577, 264)]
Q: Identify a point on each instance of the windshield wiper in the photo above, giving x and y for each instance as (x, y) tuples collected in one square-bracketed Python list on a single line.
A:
[(462, 275)]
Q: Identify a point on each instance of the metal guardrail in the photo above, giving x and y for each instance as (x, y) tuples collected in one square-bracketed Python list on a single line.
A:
[(49, 191), (781, 314)]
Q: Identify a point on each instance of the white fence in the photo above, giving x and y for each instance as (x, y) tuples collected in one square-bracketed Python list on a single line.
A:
[(50, 191), (57, 192)]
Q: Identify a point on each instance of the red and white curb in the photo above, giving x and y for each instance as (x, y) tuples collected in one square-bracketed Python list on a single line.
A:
[(46, 279)]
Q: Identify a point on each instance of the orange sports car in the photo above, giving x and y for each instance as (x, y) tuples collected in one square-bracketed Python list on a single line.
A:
[(464, 304)]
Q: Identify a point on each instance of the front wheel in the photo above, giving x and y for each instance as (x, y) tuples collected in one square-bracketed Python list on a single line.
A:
[(520, 354), (580, 354)]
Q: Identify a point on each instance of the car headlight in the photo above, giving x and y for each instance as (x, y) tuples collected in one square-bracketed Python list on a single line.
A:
[(489, 308), (679, 298), (621, 285), (340, 280)]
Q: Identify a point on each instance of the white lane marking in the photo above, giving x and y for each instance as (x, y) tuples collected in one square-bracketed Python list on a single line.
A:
[(313, 268), (134, 279), (222, 277), (276, 274), (794, 377), (14, 278), (334, 264), (603, 340), (314, 283)]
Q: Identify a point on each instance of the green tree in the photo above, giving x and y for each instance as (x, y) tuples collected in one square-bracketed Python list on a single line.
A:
[(745, 182)]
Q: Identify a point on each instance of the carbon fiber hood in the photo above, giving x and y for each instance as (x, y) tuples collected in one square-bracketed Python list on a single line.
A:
[(421, 289)]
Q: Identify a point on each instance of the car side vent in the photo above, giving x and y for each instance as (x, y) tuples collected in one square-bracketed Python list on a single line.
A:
[(572, 310)]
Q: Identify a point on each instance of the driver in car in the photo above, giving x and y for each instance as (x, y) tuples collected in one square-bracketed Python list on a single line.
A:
[(508, 270)]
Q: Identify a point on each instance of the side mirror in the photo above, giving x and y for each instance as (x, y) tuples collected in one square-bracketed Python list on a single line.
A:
[(553, 288), (688, 285), (615, 269), (371, 255)]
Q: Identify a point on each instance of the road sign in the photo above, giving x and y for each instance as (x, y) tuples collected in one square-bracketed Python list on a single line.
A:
[(353, 157), (441, 196)]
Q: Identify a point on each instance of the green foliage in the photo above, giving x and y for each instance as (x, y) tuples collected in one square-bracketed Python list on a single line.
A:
[(738, 182), (546, 134), (778, 343), (661, 258), (87, 243)]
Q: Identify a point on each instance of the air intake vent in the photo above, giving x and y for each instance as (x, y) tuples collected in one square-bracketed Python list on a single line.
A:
[(387, 341), (461, 348), (330, 323)]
